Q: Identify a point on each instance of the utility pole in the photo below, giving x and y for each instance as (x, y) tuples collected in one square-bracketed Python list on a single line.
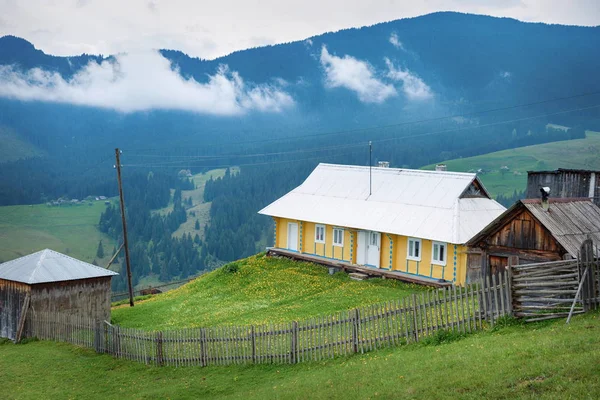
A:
[(125, 244), (370, 165)]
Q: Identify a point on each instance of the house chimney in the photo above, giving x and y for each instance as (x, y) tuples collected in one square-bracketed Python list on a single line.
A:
[(545, 193), (383, 164), (441, 167)]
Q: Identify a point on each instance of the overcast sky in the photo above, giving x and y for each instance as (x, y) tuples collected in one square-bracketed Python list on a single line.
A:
[(209, 29)]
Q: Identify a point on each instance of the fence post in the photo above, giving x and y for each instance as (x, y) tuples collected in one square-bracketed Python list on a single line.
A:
[(203, 358), (414, 314), (293, 357), (159, 349), (253, 342), (97, 336), (355, 330)]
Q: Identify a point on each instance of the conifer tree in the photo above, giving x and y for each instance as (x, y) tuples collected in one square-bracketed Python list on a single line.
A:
[(100, 251)]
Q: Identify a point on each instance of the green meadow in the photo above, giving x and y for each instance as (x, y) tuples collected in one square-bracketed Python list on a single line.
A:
[(576, 154), (256, 290), (549, 360), (69, 229)]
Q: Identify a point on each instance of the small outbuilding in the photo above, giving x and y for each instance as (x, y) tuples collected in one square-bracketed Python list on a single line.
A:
[(48, 281), (535, 230)]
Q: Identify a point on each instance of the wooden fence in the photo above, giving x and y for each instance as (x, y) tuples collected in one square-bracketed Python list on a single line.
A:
[(359, 330), (556, 289)]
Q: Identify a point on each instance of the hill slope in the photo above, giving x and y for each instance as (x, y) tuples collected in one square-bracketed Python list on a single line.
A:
[(576, 154), (537, 361), (71, 230), (258, 289)]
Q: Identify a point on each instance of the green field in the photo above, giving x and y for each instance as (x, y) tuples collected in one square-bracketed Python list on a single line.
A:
[(537, 361), (577, 154), (69, 229), (264, 289)]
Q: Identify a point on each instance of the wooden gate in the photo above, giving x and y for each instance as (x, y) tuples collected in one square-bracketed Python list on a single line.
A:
[(556, 289)]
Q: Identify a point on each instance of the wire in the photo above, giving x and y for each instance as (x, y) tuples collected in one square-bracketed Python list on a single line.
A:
[(512, 107), (236, 165), (169, 164), (201, 158)]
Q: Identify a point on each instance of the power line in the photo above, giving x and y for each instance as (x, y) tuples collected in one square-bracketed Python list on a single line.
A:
[(149, 165), (338, 132), (180, 163), (230, 155)]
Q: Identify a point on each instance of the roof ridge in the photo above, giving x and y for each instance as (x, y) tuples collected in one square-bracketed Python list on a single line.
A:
[(18, 258), (406, 170), (38, 264), (80, 261)]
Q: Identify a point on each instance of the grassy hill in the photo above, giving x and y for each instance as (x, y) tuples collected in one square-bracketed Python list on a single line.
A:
[(69, 229), (536, 361), (262, 289), (578, 154), (14, 147)]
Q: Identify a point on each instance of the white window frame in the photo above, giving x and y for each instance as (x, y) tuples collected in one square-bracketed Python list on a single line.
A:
[(409, 247), (445, 253), (317, 227), (340, 235)]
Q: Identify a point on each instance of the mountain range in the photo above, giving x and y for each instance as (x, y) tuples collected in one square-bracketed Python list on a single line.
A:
[(67, 114)]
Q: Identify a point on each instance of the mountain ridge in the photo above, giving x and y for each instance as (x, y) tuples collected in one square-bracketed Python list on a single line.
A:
[(364, 83)]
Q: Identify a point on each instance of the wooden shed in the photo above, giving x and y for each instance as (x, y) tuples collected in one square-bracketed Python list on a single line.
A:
[(535, 231), (565, 183), (48, 281)]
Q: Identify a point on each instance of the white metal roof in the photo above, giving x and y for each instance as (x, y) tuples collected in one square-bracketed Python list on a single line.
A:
[(49, 266), (416, 203)]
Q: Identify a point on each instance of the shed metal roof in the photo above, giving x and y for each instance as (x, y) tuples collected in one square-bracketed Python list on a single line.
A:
[(49, 266), (416, 203), (570, 221)]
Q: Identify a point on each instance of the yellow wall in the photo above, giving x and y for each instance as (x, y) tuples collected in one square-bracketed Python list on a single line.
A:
[(347, 252), (425, 267), (453, 271)]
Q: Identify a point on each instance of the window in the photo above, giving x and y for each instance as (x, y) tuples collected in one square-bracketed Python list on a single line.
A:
[(338, 237), (320, 233), (374, 239), (439, 253), (414, 249)]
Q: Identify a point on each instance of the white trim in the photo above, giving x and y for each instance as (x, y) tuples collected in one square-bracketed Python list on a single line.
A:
[(414, 240), (317, 226), (290, 244), (444, 256), (340, 232)]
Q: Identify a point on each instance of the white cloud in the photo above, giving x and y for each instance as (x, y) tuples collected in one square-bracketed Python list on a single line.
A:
[(506, 75), (144, 81), (395, 41), (355, 75), (413, 87)]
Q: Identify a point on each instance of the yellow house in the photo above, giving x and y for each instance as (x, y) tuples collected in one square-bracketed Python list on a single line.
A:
[(410, 221)]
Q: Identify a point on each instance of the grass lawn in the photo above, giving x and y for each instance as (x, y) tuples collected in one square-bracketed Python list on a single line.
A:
[(576, 154), (264, 289), (71, 230), (537, 361)]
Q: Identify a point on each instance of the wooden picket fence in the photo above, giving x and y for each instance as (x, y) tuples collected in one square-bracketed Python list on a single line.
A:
[(359, 330)]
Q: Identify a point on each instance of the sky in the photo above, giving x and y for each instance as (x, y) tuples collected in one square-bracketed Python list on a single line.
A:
[(209, 29)]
